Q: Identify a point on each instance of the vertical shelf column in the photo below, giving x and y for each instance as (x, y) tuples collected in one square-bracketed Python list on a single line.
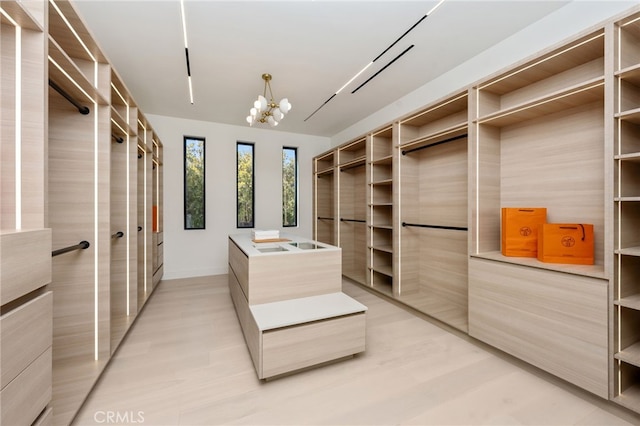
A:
[(324, 205), (626, 305), (380, 214)]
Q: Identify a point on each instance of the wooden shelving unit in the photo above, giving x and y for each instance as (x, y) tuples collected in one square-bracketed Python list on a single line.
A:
[(539, 140), (380, 211), (433, 180), (626, 301), (352, 210), (324, 205), (86, 162)]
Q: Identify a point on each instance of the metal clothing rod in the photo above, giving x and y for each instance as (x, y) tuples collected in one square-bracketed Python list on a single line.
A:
[(352, 220), (454, 228), (80, 246), (325, 218), (117, 138), (81, 108), (455, 138), (139, 228), (118, 234)]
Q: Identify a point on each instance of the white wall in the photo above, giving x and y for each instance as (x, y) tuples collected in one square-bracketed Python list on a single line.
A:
[(566, 22), (204, 252)]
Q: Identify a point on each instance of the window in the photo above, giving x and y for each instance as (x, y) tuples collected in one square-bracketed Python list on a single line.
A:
[(289, 186), (244, 185), (194, 195)]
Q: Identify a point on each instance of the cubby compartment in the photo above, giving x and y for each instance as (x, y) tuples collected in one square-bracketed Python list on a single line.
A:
[(628, 289), (324, 162), (443, 118), (568, 76), (629, 139), (382, 281), (354, 152), (629, 42)]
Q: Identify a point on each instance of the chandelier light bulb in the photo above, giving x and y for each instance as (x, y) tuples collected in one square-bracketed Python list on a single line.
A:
[(285, 106), (277, 114), (250, 120), (253, 112)]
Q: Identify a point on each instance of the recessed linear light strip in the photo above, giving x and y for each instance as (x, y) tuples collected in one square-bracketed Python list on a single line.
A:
[(383, 68), (378, 57), (186, 49)]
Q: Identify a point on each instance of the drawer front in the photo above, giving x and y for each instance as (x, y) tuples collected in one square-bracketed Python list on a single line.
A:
[(25, 333), (22, 400), (553, 320), (239, 262), (25, 263), (293, 348)]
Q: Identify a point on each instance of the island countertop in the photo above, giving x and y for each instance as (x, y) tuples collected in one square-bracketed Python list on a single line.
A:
[(290, 244)]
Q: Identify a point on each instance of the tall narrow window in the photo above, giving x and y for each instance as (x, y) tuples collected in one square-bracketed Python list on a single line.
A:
[(245, 185), (289, 186), (194, 173)]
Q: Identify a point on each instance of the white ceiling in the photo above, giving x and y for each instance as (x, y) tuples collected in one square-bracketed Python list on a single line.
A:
[(311, 48)]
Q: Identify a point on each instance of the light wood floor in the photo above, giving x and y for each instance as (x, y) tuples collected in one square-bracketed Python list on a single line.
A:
[(185, 362)]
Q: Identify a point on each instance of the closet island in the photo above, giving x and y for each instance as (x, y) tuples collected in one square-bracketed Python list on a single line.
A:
[(289, 301)]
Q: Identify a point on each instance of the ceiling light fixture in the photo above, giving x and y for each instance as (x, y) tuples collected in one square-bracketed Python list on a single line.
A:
[(264, 111)]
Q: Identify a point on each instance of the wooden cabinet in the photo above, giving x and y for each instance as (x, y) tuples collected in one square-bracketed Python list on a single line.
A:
[(626, 301), (25, 242), (324, 207), (81, 172), (433, 181), (352, 209)]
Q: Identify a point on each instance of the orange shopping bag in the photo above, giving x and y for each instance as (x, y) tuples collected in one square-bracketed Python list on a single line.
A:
[(566, 243), (520, 230)]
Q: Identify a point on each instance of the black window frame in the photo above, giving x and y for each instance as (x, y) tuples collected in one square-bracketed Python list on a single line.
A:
[(250, 224), (295, 189), (204, 182)]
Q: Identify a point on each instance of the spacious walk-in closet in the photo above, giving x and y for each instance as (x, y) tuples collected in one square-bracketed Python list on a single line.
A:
[(382, 292)]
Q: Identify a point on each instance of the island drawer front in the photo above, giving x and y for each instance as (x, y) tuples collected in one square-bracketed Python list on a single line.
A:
[(239, 262), (292, 348)]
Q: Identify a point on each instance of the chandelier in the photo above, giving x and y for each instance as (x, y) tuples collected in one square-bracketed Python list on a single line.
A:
[(264, 111)]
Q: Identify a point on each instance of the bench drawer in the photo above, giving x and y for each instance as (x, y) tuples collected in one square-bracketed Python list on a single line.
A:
[(292, 348)]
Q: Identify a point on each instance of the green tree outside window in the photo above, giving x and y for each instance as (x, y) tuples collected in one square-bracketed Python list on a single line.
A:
[(194, 183)]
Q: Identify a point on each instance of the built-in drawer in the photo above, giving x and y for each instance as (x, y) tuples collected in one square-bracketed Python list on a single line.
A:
[(239, 262), (160, 255), (24, 398), (25, 333), (25, 262), (160, 237), (292, 348)]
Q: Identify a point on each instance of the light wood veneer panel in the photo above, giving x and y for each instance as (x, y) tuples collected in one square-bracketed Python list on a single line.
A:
[(293, 348), (239, 265), (25, 333), (22, 401), (25, 262), (280, 277), (553, 320), (252, 336)]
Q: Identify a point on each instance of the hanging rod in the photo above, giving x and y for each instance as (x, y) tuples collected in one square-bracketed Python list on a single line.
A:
[(325, 218), (453, 228), (81, 108), (455, 138), (118, 234), (117, 138), (353, 220), (139, 228), (80, 246)]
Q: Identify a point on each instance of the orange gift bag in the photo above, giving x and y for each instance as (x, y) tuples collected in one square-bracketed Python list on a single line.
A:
[(566, 243), (520, 230)]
